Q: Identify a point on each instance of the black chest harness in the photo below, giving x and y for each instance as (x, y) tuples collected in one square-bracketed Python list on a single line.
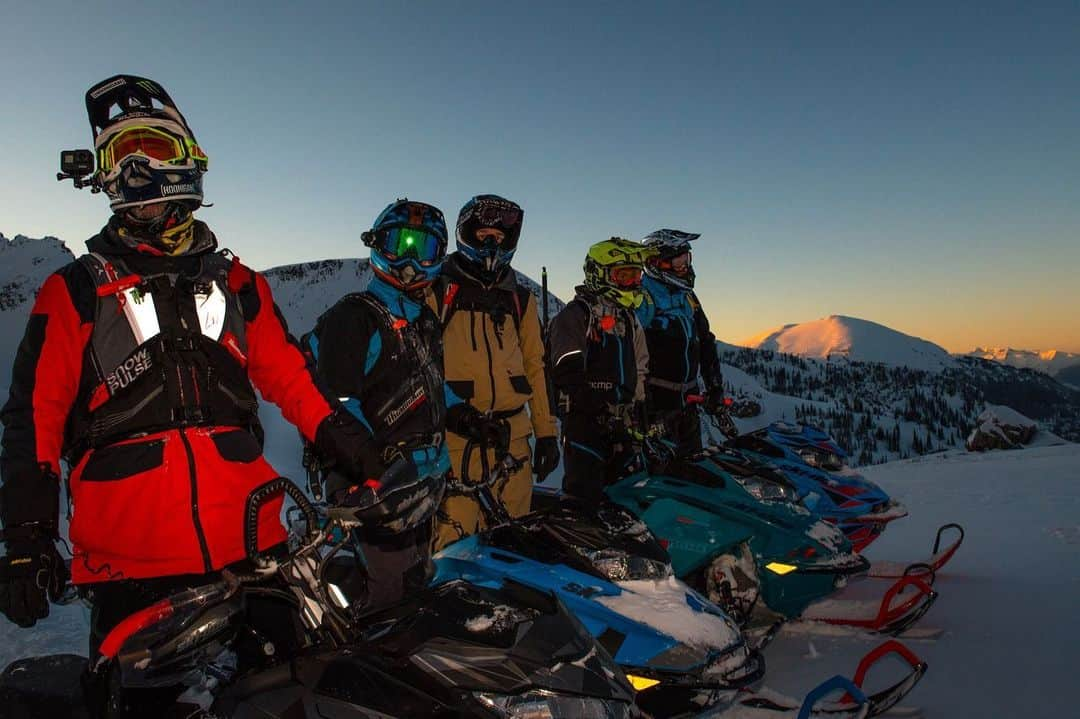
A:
[(166, 351)]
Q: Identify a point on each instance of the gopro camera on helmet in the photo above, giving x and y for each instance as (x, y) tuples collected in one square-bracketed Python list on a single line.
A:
[(77, 166)]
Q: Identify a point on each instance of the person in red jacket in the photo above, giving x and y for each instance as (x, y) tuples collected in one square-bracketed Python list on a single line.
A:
[(138, 369)]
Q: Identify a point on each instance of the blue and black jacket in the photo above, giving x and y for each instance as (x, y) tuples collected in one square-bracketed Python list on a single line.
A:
[(681, 345), (380, 352)]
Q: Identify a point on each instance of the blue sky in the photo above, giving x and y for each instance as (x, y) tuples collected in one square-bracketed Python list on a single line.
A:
[(916, 164)]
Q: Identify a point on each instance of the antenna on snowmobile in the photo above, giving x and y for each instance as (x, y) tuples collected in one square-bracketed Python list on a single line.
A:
[(78, 166), (544, 296)]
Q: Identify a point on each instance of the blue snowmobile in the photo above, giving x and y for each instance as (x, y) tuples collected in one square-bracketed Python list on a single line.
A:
[(681, 653), (815, 464)]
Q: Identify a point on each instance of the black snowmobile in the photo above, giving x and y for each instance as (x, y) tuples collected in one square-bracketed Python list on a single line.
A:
[(454, 650)]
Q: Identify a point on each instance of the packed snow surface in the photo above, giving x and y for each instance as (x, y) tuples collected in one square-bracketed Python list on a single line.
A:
[(840, 337), (664, 605), (1009, 598)]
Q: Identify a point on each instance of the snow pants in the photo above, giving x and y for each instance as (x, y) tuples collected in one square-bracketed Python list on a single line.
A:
[(461, 516), (592, 459)]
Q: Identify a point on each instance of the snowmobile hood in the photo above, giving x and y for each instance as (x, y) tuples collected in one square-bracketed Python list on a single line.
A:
[(658, 628), (507, 640), (704, 506)]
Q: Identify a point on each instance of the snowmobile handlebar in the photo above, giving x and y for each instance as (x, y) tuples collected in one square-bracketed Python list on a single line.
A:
[(259, 497), (505, 465)]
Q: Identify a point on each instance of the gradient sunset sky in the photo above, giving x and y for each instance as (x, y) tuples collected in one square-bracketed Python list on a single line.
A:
[(916, 164)]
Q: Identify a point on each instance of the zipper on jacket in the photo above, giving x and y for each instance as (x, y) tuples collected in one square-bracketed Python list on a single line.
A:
[(491, 368), (207, 565), (472, 329)]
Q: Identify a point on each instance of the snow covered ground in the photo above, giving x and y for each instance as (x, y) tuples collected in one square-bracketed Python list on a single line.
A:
[(1009, 599)]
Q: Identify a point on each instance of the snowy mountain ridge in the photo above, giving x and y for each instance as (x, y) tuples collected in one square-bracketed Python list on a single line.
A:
[(881, 412), (1056, 363), (839, 337)]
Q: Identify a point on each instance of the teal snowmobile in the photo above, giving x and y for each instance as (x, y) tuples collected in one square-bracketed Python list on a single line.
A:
[(736, 529), (680, 651)]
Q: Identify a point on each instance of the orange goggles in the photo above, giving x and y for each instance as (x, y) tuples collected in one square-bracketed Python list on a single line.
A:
[(679, 263), (152, 142), (625, 276)]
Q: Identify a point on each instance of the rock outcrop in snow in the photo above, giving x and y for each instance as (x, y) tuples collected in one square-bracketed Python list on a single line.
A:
[(1001, 427)]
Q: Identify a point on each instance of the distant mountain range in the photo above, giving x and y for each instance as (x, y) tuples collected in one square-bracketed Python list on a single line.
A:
[(1064, 366), (848, 338)]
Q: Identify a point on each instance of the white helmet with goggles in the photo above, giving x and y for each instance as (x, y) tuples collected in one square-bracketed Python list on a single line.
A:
[(145, 150), (672, 262)]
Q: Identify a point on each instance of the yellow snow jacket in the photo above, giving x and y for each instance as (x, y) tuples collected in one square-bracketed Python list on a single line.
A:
[(493, 349)]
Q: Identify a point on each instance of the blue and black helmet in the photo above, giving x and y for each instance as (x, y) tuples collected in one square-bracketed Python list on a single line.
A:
[(489, 256), (408, 244)]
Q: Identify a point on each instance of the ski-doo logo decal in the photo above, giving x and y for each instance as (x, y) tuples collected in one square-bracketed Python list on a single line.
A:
[(414, 400), (131, 369), (102, 90), (581, 591), (177, 189)]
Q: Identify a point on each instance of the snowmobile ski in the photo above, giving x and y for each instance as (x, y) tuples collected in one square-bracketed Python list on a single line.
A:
[(939, 556), (856, 702), (903, 604)]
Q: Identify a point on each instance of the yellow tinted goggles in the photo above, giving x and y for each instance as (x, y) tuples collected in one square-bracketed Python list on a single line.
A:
[(152, 142)]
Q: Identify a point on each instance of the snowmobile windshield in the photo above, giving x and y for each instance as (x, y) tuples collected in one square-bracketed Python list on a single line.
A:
[(821, 458), (402, 243)]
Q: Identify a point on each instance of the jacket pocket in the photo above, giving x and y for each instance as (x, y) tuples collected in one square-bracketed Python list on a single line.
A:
[(237, 446), (520, 383), (123, 460), (463, 388)]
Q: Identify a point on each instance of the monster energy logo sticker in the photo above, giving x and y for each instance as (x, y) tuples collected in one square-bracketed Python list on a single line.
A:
[(128, 371)]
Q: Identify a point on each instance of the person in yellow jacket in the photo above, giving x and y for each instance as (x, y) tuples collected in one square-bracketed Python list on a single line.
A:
[(493, 360)]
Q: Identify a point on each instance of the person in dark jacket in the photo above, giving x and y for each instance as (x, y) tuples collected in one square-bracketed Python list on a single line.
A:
[(138, 369), (680, 343), (380, 352), (599, 363)]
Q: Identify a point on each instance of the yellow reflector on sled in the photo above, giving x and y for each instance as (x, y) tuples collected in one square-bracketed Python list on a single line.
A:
[(641, 683), (780, 568)]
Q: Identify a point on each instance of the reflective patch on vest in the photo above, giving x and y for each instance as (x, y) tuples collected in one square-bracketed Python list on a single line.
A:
[(212, 309), (129, 370), (141, 314)]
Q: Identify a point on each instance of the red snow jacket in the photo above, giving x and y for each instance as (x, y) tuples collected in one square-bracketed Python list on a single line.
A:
[(137, 370)]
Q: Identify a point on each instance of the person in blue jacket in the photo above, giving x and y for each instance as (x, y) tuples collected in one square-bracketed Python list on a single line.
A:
[(681, 345), (380, 352)]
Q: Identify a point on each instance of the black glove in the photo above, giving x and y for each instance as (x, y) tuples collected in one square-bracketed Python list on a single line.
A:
[(718, 407), (347, 446), (31, 575), (471, 423), (545, 457)]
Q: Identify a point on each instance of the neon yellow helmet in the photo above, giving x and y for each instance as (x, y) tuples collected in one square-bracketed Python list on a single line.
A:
[(613, 269)]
